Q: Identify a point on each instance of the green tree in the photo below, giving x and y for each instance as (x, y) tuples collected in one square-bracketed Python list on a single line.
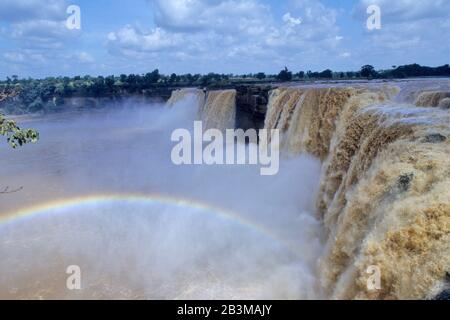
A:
[(368, 71), (261, 75), (189, 78), (173, 78), (152, 77), (285, 75), (109, 83), (326, 74), (36, 106), (300, 74)]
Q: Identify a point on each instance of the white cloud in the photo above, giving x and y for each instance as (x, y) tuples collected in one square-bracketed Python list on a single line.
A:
[(41, 33), (155, 40), (232, 35), (38, 41), (406, 10), (25, 58), (14, 57), (245, 33), (317, 28), (83, 57), (22, 10), (291, 21), (36, 23), (408, 32), (315, 12), (212, 15)]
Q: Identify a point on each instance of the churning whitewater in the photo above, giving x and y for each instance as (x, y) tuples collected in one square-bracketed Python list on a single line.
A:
[(385, 187), (364, 180), (102, 193)]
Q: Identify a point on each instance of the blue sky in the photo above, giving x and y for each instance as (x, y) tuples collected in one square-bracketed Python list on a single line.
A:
[(225, 36)]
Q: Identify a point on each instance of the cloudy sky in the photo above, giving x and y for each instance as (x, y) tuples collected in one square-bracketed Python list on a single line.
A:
[(225, 36)]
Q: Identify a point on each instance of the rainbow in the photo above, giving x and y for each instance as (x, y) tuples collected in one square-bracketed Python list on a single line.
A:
[(57, 206)]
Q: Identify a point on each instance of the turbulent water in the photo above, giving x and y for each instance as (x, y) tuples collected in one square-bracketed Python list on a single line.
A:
[(364, 181), (384, 194), (100, 192)]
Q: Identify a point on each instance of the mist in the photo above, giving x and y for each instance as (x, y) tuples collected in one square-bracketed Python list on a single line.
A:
[(221, 232)]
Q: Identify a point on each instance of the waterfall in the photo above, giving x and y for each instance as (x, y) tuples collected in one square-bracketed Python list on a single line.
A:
[(217, 110), (385, 185), (385, 189), (182, 94), (433, 99)]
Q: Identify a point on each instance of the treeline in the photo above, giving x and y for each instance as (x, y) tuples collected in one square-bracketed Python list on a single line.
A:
[(47, 95), (368, 72)]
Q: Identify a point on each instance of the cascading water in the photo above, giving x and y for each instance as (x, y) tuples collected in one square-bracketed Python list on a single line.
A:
[(433, 99), (385, 188), (141, 227), (178, 96), (103, 194), (216, 109), (219, 110)]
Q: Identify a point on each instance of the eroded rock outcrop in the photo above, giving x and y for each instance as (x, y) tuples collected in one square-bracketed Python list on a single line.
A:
[(251, 106)]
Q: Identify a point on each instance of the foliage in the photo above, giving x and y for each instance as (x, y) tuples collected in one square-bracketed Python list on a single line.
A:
[(285, 75), (300, 74), (16, 136), (368, 71), (261, 75), (415, 70), (326, 74), (49, 94)]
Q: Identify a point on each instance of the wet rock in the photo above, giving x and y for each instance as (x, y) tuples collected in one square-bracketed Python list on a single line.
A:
[(251, 106), (445, 295), (445, 103), (435, 138), (404, 182)]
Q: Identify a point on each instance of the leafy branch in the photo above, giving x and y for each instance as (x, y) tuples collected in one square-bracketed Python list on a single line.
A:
[(16, 136)]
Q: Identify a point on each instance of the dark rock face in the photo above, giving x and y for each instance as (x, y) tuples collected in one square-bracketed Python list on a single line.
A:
[(435, 138), (251, 106), (445, 103), (404, 182), (445, 295)]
